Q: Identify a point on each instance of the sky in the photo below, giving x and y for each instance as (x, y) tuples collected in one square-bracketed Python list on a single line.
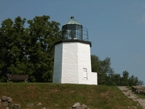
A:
[(116, 28)]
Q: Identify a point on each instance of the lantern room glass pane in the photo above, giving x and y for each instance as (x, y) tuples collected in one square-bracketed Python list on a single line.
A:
[(72, 32)]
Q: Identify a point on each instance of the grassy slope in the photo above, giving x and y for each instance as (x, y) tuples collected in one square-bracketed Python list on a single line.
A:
[(63, 96)]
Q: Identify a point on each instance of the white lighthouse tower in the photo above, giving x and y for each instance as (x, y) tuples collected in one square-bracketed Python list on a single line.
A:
[(72, 58)]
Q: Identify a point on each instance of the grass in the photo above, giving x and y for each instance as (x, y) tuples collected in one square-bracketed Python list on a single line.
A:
[(139, 95), (64, 96)]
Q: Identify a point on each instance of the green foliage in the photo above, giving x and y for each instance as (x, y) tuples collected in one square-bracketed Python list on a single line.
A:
[(42, 54), (106, 75), (103, 69), (18, 42)]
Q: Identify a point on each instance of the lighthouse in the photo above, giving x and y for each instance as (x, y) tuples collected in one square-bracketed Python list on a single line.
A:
[(72, 56)]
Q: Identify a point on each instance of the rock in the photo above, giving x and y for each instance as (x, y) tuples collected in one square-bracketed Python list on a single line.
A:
[(84, 105), (78, 106), (30, 105), (125, 90), (141, 92), (39, 104), (134, 107), (7, 102), (138, 89)]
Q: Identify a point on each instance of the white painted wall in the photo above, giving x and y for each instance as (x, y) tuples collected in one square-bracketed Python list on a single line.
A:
[(84, 61), (57, 64), (69, 61), (84, 54)]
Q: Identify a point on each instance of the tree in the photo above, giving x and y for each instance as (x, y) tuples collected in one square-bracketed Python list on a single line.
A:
[(133, 81), (115, 79), (106, 75), (95, 62), (102, 68), (12, 33), (39, 65), (124, 79), (41, 54), (2, 55)]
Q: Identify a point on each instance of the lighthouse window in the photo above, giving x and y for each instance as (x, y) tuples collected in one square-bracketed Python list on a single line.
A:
[(85, 74)]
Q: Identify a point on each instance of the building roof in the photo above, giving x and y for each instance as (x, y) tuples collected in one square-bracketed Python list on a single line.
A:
[(72, 21)]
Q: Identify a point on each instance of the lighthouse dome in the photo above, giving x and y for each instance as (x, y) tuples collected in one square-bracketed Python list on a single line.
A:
[(72, 30), (72, 21)]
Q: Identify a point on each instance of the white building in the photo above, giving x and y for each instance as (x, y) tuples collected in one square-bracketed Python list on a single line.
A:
[(72, 58)]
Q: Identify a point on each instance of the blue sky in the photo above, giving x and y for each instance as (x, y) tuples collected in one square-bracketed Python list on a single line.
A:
[(116, 28)]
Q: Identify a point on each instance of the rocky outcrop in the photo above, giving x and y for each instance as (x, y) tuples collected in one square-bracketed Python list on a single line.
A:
[(7, 102), (139, 89), (132, 96)]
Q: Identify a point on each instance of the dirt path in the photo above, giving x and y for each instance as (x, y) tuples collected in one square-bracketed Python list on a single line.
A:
[(131, 95)]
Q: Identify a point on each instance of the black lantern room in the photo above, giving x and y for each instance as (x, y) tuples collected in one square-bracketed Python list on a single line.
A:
[(72, 30)]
